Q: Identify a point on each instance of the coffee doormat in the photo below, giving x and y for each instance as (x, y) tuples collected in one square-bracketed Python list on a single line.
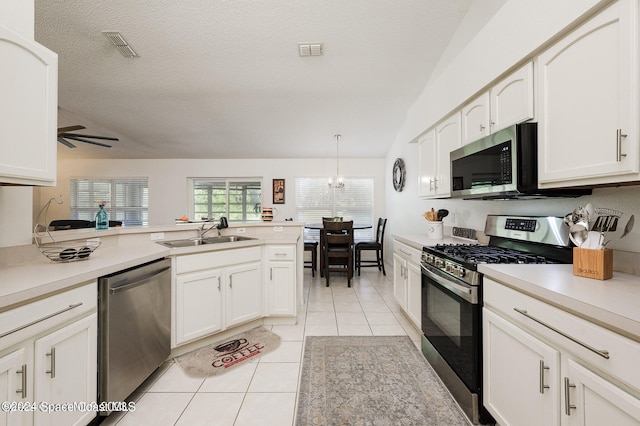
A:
[(363, 380), (219, 357)]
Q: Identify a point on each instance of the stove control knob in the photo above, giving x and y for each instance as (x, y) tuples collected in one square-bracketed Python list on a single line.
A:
[(439, 263), (461, 272), (449, 268)]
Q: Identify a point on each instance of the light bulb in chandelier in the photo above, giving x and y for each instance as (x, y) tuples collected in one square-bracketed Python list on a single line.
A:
[(337, 181)]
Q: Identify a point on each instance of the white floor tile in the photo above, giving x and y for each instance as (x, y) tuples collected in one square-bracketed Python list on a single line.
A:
[(321, 318), (290, 332), (267, 409), (155, 409), (275, 377), (379, 318), (286, 352), (235, 380), (351, 318), (175, 380), (387, 330), (348, 307), (321, 330), (206, 409), (354, 330)]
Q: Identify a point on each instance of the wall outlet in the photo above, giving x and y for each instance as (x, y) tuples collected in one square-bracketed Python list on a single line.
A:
[(157, 236), (278, 229), (93, 241), (241, 230)]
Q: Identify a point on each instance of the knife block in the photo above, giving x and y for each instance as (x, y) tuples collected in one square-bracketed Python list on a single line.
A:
[(590, 263)]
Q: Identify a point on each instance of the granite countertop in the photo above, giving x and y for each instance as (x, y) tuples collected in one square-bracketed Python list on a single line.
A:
[(613, 304)]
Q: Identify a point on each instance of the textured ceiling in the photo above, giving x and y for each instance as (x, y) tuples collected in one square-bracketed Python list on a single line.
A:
[(223, 79)]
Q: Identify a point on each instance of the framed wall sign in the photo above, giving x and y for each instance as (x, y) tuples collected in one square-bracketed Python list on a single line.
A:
[(278, 191)]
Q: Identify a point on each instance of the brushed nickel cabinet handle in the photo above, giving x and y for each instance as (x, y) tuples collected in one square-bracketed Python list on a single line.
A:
[(68, 308), (23, 391), (601, 352), (619, 136), (567, 401), (52, 359), (542, 385)]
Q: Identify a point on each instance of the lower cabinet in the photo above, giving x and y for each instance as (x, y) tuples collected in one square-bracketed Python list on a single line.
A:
[(407, 280), (544, 366), (216, 290), (48, 359), (281, 280)]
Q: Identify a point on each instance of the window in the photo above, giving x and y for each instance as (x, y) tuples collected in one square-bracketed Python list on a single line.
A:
[(315, 200), (127, 199), (238, 199)]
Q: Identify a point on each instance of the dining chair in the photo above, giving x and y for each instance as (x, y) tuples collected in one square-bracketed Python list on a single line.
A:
[(377, 246), (312, 246), (338, 248)]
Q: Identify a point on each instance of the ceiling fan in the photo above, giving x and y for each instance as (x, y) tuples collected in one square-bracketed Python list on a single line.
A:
[(63, 135)]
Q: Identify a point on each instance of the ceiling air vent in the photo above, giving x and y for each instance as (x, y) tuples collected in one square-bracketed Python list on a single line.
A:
[(310, 49), (120, 43)]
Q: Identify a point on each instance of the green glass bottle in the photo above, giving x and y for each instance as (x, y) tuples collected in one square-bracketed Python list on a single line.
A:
[(102, 220)]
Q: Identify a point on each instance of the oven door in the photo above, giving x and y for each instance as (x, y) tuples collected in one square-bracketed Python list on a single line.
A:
[(451, 323)]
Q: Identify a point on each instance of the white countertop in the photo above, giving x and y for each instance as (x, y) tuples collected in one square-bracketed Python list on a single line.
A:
[(613, 303), (34, 276), (418, 241)]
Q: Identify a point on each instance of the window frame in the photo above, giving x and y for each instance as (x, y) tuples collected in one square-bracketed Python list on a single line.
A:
[(228, 181)]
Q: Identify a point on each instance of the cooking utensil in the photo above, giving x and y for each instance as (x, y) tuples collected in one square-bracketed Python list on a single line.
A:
[(578, 233), (442, 213), (627, 228)]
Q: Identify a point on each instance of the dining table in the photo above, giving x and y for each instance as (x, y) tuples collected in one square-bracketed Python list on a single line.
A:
[(319, 226)]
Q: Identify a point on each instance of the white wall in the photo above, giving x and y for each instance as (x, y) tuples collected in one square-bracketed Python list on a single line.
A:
[(168, 195), (514, 32)]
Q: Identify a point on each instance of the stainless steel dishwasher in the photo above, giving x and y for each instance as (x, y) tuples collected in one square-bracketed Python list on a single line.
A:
[(134, 327)]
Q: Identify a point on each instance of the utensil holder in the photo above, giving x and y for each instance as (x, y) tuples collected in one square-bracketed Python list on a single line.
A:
[(590, 263)]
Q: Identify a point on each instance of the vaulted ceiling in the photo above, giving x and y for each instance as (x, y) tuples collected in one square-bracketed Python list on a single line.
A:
[(223, 79)]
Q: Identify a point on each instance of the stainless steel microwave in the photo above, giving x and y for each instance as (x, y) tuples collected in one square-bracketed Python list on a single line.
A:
[(503, 165)]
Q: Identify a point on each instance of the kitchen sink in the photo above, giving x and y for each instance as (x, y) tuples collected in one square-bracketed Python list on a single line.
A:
[(193, 242)]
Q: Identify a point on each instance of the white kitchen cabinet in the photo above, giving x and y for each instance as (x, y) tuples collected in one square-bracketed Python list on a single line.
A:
[(48, 354), (517, 371), (15, 384), (587, 100), (198, 304), (508, 102), (583, 374), (214, 291), (407, 281), (433, 151), (28, 111), (66, 372), (281, 279)]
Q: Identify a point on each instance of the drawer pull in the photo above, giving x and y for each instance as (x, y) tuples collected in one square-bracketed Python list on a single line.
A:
[(567, 401), (52, 356), (41, 319), (23, 391), (619, 136), (602, 353), (542, 385)]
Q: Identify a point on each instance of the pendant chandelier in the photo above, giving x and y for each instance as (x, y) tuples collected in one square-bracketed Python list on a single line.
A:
[(337, 181)]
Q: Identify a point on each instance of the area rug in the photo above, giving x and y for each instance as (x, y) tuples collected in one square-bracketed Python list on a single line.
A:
[(221, 356), (378, 381)]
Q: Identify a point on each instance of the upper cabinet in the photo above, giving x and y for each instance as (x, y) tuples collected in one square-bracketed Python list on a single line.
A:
[(587, 100), (435, 166), (28, 111), (508, 102)]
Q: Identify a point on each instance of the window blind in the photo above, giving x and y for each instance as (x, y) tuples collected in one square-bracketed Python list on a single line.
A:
[(315, 200), (127, 199)]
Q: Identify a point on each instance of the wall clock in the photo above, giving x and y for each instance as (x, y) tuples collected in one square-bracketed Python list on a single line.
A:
[(398, 174)]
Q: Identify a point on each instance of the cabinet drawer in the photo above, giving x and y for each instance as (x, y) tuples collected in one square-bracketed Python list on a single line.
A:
[(581, 338), (30, 319), (407, 252), (281, 252), (216, 259)]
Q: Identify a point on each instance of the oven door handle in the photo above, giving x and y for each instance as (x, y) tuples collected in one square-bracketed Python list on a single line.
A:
[(469, 294)]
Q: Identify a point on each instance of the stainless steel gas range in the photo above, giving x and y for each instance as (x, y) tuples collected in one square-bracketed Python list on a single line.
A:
[(452, 297)]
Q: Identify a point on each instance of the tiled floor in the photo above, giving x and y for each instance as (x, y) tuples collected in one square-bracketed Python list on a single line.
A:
[(263, 392)]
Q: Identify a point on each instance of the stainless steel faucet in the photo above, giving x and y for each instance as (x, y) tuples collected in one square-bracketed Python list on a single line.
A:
[(222, 224)]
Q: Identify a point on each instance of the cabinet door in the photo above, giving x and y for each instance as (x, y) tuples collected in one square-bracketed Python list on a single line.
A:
[(198, 304), (16, 372), (476, 119), (281, 288), (587, 95), (243, 293), (512, 99), (414, 293), (400, 280), (447, 139), (592, 400), (520, 375), (28, 111), (427, 164), (66, 370)]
